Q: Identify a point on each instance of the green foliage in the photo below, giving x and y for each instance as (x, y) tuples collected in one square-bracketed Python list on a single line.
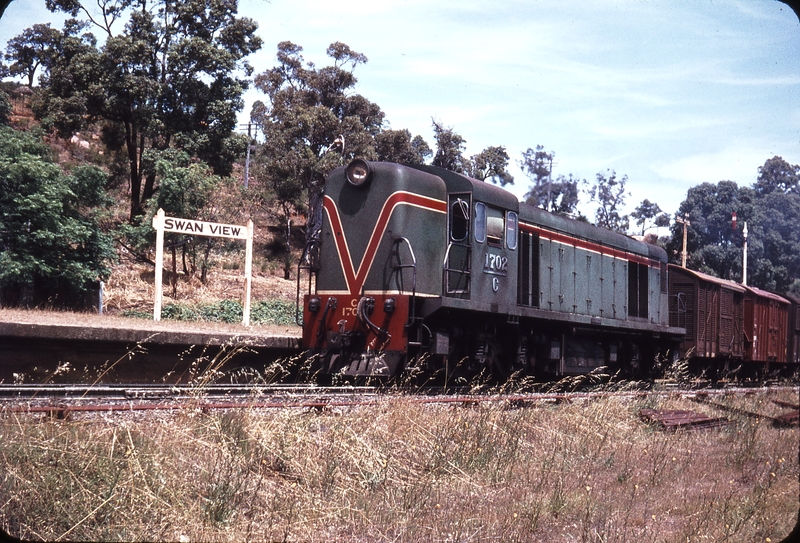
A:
[(771, 209), (168, 79), (5, 108), (609, 193), (491, 164), (31, 50), (311, 123), (649, 214), (398, 146), (272, 312), (450, 148), (277, 312), (50, 238), (560, 195)]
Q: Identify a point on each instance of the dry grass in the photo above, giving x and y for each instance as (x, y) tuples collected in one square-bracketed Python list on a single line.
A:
[(132, 287), (400, 471)]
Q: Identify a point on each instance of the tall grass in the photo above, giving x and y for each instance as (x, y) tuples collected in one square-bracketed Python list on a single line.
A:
[(399, 471)]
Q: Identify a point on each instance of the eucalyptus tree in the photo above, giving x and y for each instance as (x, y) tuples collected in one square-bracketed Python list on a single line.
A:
[(609, 193), (648, 214), (560, 195), (32, 51), (491, 164), (450, 148), (398, 146), (771, 209), (173, 75), (311, 122)]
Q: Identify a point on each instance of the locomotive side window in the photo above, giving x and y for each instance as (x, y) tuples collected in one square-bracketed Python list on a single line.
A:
[(495, 226), (459, 220), (511, 230), (490, 225), (480, 222)]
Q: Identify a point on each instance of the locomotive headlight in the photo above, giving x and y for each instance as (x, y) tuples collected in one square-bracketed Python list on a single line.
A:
[(313, 304), (358, 172)]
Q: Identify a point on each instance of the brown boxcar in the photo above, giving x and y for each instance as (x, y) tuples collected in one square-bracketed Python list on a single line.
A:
[(766, 322), (793, 345), (711, 310)]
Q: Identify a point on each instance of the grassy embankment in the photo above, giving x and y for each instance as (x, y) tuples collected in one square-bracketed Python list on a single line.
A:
[(401, 471)]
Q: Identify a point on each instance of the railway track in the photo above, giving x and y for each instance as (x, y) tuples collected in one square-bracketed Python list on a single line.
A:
[(63, 401)]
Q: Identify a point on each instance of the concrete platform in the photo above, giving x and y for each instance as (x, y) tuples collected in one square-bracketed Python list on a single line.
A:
[(91, 327), (37, 346)]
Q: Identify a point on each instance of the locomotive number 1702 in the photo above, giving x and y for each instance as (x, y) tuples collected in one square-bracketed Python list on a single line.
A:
[(495, 264)]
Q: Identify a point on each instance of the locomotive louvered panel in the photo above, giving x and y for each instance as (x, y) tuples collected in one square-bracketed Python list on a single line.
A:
[(594, 284), (546, 287), (620, 268), (566, 294), (644, 290), (528, 271), (524, 270), (606, 286)]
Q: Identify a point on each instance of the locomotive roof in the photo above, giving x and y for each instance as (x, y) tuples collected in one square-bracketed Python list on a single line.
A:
[(481, 190), (590, 232), (494, 195)]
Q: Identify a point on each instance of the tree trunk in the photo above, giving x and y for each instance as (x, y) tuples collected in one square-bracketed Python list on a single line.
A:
[(131, 145)]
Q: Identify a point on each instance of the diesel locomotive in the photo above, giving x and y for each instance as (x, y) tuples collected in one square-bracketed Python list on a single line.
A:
[(420, 266)]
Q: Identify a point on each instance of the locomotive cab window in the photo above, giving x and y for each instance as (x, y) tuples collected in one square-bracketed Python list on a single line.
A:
[(459, 220)]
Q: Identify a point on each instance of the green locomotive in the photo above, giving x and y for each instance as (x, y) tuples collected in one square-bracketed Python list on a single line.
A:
[(419, 266)]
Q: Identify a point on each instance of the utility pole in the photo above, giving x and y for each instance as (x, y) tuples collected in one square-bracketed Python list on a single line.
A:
[(247, 160), (744, 256), (685, 222)]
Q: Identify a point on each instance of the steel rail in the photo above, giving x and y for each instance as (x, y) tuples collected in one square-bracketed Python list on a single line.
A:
[(516, 400)]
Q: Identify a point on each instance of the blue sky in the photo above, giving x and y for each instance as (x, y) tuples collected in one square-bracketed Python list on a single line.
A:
[(669, 93)]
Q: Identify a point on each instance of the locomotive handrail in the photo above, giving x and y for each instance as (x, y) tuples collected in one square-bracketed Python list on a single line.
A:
[(312, 267), (446, 268), (463, 271), (412, 310)]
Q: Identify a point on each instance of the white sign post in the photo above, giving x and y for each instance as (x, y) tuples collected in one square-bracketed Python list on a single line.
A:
[(199, 228)]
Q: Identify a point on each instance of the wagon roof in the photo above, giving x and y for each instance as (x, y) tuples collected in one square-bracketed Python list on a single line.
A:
[(708, 278), (768, 295)]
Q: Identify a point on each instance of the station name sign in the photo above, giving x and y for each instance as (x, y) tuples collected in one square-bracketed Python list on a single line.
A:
[(200, 228), (163, 224)]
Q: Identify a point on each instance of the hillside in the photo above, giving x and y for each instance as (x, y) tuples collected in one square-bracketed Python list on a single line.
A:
[(197, 271)]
